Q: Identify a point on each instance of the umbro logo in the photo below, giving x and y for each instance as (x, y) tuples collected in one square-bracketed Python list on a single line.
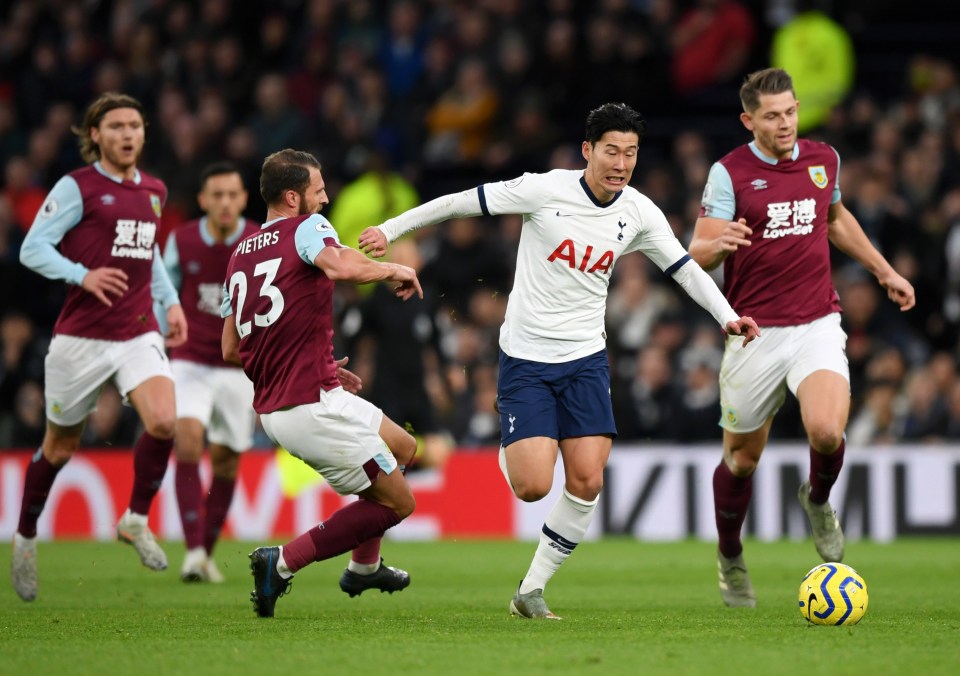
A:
[(759, 184), (108, 200)]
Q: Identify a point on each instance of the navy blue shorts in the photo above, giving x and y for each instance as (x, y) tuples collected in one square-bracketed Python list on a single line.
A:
[(558, 401)]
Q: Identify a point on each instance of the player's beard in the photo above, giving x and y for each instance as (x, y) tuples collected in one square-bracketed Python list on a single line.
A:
[(302, 209)]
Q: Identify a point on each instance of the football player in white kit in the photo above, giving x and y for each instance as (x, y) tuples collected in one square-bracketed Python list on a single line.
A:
[(554, 380)]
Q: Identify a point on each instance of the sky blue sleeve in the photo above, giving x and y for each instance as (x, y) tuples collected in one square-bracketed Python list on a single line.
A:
[(836, 186), (312, 236), (225, 308), (171, 261), (160, 286), (718, 199), (61, 211)]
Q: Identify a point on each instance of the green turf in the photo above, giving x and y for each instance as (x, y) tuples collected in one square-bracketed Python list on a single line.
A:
[(628, 607)]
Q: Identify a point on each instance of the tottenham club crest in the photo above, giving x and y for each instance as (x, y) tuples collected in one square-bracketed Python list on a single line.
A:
[(818, 175), (155, 203)]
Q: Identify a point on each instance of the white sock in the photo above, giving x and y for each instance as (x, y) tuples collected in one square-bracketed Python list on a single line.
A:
[(562, 531), (363, 568), (503, 468), (282, 567)]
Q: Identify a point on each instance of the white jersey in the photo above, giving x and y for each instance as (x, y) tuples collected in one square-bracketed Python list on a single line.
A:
[(569, 244)]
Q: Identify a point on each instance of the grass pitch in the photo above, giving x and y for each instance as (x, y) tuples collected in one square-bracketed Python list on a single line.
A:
[(628, 607)]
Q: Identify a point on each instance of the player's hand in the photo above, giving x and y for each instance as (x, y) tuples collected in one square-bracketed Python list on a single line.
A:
[(409, 284), (746, 327), (348, 379), (735, 235), (373, 242), (899, 290), (101, 281), (177, 327)]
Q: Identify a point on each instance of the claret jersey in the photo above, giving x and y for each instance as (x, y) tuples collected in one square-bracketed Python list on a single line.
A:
[(783, 277), (98, 220), (196, 264), (569, 245), (282, 305)]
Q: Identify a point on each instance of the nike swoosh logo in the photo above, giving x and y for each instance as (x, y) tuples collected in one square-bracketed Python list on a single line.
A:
[(563, 215), (267, 588)]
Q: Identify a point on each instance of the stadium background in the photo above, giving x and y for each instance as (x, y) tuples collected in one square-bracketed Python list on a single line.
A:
[(421, 98)]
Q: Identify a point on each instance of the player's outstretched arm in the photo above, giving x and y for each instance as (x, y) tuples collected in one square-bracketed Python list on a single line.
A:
[(464, 204), (715, 238), (342, 264), (847, 235)]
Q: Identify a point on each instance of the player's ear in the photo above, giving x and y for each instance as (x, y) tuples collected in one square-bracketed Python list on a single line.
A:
[(585, 150), (747, 120)]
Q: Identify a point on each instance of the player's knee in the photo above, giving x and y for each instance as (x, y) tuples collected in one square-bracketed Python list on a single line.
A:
[(741, 464), (585, 488), (824, 441), (59, 444), (530, 491), (184, 452), (60, 453), (225, 468), (161, 427), (405, 506)]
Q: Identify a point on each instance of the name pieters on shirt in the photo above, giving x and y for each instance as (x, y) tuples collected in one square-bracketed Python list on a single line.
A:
[(790, 218), (257, 242), (134, 239)]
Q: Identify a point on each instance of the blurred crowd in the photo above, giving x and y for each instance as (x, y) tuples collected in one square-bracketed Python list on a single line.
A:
[(405, 100)]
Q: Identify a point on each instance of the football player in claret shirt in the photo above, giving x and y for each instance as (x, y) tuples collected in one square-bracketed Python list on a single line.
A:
[(278, 310), (554, 380), (214, 398), (104, 218), (770, 211)]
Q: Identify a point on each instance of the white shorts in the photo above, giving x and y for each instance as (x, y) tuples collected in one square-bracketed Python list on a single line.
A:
[(336, 436), (77, 368), (221, 398), (754, 379)]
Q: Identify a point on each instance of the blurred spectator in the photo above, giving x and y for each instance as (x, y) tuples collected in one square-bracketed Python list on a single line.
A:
[(696, 414), (644, 405), (276, 124), (25, 425), (20, 191), (711, 44), (376, 195), (19, 361), (460, 122)]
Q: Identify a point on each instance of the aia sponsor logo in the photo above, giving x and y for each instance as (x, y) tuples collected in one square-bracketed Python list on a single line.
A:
[(585, 261)]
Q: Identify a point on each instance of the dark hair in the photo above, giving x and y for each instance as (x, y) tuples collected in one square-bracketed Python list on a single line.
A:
[(94, 114), (284, 170), (216, 169), (766, 81), (614, 117)]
